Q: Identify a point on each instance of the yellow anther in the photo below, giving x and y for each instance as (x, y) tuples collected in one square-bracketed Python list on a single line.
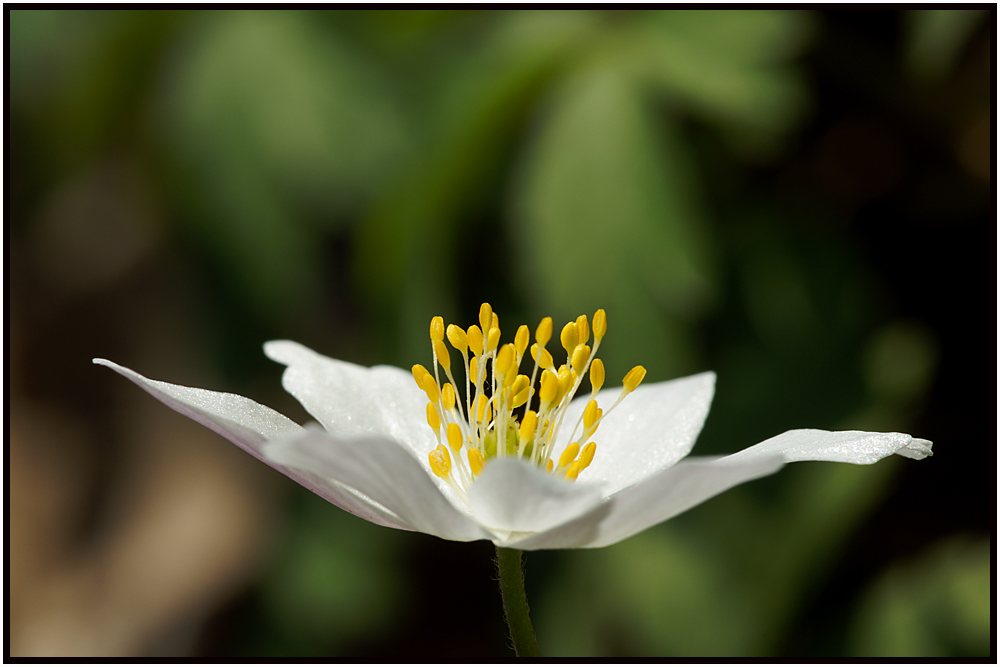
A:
[(573, 471), (568, 337), (590, 415), (433, 419), (484, 410), (473, 370), (549, 387), (496, 322), (520, 384), (600, 324), (476, 462), (454, 433), (440, 461), (565, 381), (544, 332), (520, 397), (549, 466), (546, 361), (505, 359), (492, 338), (456, 336), (521, 341), (475, 339), (444, 358), (437, 328), (448, 396), (587, 455), (633, 378), (569, 454), (430, 387), (485, 317), (419, 373), (528, 425), (596, 374), (581, 355), (582, 330)]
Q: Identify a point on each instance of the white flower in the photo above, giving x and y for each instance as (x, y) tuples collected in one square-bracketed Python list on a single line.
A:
[(373, 455)]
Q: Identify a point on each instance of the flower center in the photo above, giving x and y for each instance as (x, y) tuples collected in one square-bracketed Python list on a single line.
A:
[(488, 424)]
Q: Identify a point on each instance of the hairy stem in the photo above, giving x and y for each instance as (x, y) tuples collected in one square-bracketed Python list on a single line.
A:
[(515, 603)]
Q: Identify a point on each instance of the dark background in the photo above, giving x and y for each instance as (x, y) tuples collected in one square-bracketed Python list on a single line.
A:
[(800, 201)]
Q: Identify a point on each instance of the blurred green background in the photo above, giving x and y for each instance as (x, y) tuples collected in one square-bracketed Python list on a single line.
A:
[(800, 201)]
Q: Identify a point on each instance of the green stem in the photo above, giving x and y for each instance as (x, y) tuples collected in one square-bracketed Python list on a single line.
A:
[(515, 603)]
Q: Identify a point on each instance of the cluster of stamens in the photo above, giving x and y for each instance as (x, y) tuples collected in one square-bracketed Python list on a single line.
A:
[(487, 425)]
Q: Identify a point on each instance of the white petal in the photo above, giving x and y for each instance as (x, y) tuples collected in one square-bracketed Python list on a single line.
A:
[(515, 496), (693, 481), (353, 401), (918, 449), (859, 447), (652, 429), (658, 498), (249, 425), (382, 470)]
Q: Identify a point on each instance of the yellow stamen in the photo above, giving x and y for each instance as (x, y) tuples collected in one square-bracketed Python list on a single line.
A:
[(475, 462), (544, 332), (419, 372), (600, 324), (475, 339), (448, 396), (565, 381), (520, 397), (505, 358), (488, 424), (443, 357), (581, 355), (568, 337), (590, 415), (454, 434), (433, 419), (545, 361), (440, 461), (521, 341), (456, 336), (430, 387), (520, 385), (528, 425), (483, 410), (569, 454), (582, 330), (492, 339), (632, 379), (437, 328), (596, 375), (550, 387), (485, 317)]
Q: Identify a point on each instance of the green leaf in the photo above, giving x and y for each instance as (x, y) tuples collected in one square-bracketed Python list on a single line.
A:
[(935, 39), (730, 66), (936, 605), (608, 219), (282, 126)]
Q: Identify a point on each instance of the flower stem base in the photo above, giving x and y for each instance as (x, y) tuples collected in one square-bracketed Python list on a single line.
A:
[(515, 603)]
